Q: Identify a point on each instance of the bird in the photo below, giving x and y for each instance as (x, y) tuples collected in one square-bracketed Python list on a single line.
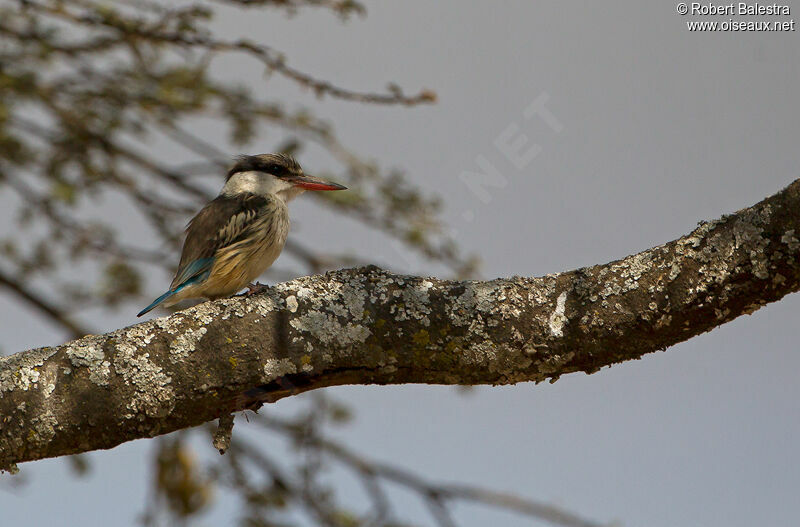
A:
[(240, 233)]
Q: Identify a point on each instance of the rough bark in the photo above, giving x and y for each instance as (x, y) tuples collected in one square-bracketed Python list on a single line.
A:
[(369, 326)]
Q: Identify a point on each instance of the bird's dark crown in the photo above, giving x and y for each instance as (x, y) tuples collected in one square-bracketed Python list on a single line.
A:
[(279, 165)]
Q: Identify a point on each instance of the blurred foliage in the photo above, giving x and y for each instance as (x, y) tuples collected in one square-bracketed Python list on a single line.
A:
[(99, 99), (178, 480), (99, 106)]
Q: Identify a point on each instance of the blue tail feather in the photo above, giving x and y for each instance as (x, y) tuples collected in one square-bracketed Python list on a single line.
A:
[(195, 272), (156, 302)]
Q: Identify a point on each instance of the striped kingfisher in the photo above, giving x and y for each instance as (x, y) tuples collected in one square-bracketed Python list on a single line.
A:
[(238, 235)]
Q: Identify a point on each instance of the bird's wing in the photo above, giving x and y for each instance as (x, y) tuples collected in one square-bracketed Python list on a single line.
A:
[(223, 222)]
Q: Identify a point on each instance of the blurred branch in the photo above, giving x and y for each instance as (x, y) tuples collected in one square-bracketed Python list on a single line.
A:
[(102, 15), (436, 495), (83, 235), (343, 7), (53, 313)]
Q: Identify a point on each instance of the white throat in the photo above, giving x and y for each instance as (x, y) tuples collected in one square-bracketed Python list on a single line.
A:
[(261, 184)]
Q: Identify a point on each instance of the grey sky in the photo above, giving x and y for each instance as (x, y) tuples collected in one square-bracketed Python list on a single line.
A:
[(661, 128)]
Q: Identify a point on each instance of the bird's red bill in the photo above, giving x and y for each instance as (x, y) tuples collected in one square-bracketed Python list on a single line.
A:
[(312, 183)]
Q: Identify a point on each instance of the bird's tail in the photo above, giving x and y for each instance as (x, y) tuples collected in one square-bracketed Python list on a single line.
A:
[(157, 301)]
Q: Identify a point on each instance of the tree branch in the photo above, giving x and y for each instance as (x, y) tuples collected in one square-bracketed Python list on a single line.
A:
[(369, 326)]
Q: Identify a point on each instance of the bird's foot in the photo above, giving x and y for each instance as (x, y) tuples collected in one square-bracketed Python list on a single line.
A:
[(255, 288)]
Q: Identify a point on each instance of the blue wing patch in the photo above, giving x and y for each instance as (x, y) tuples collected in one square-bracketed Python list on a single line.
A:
[(197, 271)]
